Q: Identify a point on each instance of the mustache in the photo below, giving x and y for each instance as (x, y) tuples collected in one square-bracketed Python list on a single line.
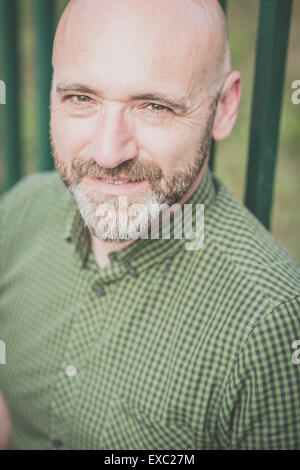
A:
[(130, 170)]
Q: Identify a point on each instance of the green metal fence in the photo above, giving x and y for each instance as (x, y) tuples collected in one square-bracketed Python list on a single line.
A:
[(272, 46)]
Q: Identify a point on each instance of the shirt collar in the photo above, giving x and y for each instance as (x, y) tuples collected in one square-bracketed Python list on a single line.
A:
[(144, 252)]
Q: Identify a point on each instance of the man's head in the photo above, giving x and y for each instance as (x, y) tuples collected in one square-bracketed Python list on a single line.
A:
[(139, 89)]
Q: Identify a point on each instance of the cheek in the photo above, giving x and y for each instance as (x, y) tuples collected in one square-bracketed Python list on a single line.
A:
[(169, 148), (70, 136)]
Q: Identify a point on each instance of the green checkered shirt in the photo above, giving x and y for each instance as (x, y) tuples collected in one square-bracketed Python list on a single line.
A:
[(164, 348)]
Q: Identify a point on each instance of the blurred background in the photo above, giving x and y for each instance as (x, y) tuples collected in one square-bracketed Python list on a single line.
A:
[(232, 154)]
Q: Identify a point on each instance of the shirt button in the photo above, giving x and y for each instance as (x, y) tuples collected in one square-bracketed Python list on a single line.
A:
[(132, 270), (57, 443), (99, 291), (71, 371)]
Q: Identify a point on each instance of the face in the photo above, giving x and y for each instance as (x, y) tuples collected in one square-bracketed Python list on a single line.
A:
[(131, 119)]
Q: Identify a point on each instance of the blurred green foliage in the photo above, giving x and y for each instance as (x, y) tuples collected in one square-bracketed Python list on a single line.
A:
[(232, 153)]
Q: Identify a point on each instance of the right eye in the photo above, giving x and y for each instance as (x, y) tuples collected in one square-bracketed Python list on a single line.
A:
[(78, 99)]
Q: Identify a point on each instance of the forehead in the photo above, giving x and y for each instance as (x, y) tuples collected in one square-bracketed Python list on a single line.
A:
[(130, 49)]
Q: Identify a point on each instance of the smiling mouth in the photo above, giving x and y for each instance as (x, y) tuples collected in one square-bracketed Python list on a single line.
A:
[(118, 182)]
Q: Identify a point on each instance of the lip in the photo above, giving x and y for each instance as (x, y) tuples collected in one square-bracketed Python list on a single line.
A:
[(120, 187)]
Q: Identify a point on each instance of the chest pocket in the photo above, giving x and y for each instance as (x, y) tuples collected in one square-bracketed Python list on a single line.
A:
[(127, 427)]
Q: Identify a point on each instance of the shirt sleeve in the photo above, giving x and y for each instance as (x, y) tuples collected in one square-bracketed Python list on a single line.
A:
[(261, 406)]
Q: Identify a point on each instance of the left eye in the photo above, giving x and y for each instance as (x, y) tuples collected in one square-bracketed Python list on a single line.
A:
[(157, 107)]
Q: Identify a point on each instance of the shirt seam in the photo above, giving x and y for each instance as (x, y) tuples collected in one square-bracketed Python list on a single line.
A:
[(244, 341)]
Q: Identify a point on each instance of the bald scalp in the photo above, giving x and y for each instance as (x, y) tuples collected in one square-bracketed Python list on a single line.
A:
[(218, 22), (202, 21)]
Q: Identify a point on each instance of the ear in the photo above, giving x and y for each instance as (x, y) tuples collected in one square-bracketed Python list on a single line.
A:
[(227, 109)]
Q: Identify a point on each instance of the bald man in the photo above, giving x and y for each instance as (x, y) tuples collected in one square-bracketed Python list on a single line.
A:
[(115, 338)]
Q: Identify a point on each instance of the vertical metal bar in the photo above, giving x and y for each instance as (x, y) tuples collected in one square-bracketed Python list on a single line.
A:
[(9, 38), (213, 150), (272, 45), (45, 12), (223, 4)]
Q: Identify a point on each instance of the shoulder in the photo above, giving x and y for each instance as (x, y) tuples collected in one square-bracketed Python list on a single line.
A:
[(35, 205), (37, 189), (248, 248), (32, 198)]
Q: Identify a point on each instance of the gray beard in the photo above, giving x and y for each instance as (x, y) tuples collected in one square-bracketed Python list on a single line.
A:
[(106, 221)]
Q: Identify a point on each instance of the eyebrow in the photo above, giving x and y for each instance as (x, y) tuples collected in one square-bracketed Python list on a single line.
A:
[(179, 106), (63, 88)]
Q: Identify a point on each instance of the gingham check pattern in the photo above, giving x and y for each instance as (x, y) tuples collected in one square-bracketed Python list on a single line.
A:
[(169, 348)]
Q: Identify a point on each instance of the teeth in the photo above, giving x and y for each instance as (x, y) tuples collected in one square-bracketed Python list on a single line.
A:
[(120, 182), (117, 182)]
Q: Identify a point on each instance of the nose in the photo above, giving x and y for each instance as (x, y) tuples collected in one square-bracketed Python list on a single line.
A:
[(114, 139)]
